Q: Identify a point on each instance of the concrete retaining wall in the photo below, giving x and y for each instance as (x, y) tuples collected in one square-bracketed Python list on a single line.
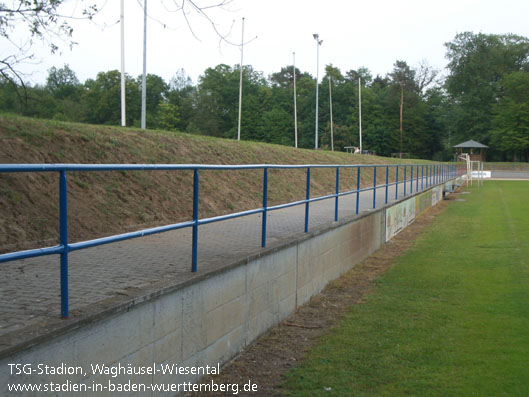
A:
[(204, 323)]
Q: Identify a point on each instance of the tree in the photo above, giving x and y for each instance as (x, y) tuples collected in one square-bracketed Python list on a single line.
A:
[(362, 73), (102, 99), (477, 64), (167, 117), (182, 94), (425, 76), (62, 83), (285, 77), (404, 77), (510, 133), (43, 21), (217, 99), (342, 136), (157, 91)]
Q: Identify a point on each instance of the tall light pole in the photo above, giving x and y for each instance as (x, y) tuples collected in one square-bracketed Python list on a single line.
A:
[(240, 85), (318, 44), (295, 106), (123, 107), (360, 111), (330, 108), (144, 75)]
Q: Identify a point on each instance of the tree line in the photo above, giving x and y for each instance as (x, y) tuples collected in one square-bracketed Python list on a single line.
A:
[(483, 96)]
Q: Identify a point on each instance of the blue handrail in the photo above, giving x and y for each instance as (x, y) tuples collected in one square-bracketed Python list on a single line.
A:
[(430, 175)]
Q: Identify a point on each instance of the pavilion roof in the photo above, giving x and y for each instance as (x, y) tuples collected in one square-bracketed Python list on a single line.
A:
[(471, 144)]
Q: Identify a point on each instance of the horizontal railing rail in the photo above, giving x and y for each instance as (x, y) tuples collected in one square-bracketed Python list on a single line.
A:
[(425, 175)]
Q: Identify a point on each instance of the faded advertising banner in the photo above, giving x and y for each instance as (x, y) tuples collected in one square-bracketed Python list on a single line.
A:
[(423, 201), (437, 195), (398, 217)]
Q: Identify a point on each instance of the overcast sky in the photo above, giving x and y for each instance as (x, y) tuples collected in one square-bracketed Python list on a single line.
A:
[(369, 33)]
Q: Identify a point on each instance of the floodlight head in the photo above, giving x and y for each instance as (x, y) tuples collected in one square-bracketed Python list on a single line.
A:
[(315, 35), (319, 42)]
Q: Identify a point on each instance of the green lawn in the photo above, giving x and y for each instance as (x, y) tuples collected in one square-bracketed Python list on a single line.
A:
[(450, 318)]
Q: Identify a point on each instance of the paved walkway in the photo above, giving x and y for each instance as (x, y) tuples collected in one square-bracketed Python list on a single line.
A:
[(30, 291)]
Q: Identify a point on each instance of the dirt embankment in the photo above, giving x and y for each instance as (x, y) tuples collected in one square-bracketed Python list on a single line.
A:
[(105, 203)]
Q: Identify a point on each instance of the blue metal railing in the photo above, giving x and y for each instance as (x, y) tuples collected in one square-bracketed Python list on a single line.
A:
[(431, 174)]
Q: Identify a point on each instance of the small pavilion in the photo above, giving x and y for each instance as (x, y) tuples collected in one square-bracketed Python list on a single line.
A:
[(475, 149)]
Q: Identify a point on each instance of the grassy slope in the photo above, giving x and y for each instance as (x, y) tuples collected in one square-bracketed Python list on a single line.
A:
[(453, 323), (108, 203)]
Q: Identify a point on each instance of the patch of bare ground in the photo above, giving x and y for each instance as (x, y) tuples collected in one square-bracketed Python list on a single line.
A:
[(266, 360)]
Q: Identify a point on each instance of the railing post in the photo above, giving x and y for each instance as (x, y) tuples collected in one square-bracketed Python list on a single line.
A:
[(430, 173), (387, 182), (422, 177), (63, 237), (430, 177), (417, 183), (405, 181), (194, 255), (357, 190), (411, 179), (307, 196), (265, 207), (337, 192), (374, 187), (397, 183)]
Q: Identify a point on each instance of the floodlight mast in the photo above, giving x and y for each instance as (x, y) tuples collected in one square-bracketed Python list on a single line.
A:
[(360, 111), (330, 109), (144, 75), (123, 106), (318, 44), (295, 106), (240, 85)]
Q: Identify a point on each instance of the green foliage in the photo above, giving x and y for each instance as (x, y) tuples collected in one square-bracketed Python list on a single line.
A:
[(479, 101), (102, 97), (510, 132), (62, 83), (167, 117), (478, 63)]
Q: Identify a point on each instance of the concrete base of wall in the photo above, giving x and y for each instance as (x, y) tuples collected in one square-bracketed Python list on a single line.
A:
[(201, 324)]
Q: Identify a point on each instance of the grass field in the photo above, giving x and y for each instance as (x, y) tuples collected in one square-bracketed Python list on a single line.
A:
[(451, 317)]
